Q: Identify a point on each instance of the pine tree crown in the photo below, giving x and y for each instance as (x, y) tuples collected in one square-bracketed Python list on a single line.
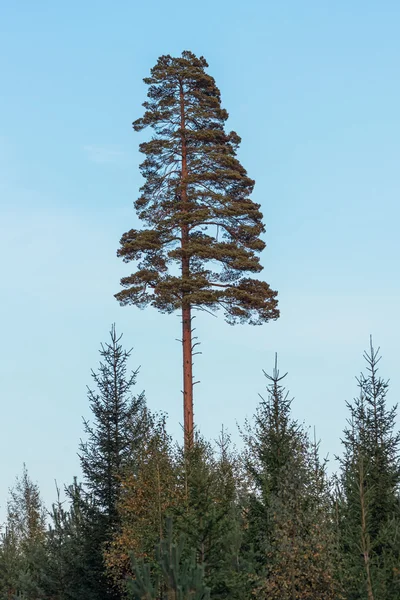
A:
[(195, 203)]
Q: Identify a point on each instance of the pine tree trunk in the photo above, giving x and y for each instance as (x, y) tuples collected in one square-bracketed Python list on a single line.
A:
[(186, 308), (187, 376)]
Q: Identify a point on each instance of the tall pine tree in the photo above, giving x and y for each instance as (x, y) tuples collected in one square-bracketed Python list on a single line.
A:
[(203, 230)]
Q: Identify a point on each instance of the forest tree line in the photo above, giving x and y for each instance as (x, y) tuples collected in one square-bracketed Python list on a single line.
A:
[(153, 520)]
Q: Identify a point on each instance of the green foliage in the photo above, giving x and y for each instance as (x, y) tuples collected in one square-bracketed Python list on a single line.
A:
[(79, 534), (368, 505), (179, 576), (117, 429), (287, 534), (120, 420), (75, 541), (10, 564), (271, 443), (26, 515), (209, 514), (195, 202), (299, 551), (23, 553), (197, 488), (148, 494)]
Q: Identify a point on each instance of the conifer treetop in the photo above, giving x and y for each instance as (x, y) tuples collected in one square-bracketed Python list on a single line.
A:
[(196, 205)]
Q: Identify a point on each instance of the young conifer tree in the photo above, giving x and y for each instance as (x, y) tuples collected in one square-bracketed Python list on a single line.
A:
[(287, 534), (23, 561), (369, 483), (118, 420), (113, 439), (202, 234)]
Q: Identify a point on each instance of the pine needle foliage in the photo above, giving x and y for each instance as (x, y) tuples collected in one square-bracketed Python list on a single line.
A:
[(194, 186)]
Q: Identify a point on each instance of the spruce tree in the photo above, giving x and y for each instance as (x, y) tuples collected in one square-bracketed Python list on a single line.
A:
[(287, 533), (119, 419), (112, 441), (299, 561), (203, 231), (368, 504), (270, 443)]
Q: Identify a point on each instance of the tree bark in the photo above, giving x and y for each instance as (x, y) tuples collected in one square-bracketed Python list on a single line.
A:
[(186, 307), (187, 376)]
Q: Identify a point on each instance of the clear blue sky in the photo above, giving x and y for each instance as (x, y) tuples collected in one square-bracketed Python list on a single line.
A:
[(313, 89)]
